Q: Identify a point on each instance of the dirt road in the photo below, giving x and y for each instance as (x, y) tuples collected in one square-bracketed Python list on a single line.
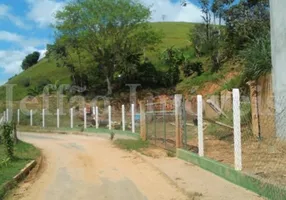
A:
[(89, 168)]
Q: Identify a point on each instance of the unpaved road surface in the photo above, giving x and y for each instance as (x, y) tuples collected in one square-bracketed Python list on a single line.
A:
[(90, 168)]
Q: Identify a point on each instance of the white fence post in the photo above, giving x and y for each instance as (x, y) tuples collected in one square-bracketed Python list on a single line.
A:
[(109, 118), (133, 118), (93, 110), (18, 116), (71, 116), (58, 118), (84, 118), (31, 117), (123, 117), (237, 130), (96, 117), (43, 118), (4, 116), (200, 125)]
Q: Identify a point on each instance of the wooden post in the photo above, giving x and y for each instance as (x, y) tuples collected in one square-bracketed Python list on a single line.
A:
[(254, 107), (143, 121), (200, 125), (178, 119), (237, 130), (123, 117)]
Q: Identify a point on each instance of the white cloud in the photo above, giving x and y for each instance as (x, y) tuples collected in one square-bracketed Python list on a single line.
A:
[(20, 40), (11, 60), (173, 11), (43, 11), (5, 13)]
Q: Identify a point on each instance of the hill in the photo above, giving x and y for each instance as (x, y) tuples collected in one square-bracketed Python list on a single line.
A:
[(176, 34)]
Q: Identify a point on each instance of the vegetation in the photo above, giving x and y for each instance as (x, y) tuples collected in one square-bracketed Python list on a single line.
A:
[(129, 144), (30, 60), (23, 154), (99, 47)]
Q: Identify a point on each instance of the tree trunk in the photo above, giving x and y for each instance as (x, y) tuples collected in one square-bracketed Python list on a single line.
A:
[(109, 87)]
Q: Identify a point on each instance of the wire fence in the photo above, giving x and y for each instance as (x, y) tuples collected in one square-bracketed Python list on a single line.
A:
[(77, 118), (160, 124)]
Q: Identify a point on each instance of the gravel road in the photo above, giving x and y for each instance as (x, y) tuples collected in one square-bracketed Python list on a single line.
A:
[(91, 168)]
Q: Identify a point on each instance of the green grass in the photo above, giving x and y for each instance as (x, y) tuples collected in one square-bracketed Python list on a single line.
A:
[(175, 34), (24, 153), (45, 69), (129, 144)]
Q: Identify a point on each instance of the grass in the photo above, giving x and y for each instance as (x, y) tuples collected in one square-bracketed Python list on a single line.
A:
[(43, 70), (24, 153), (199, 81), (130, 145)]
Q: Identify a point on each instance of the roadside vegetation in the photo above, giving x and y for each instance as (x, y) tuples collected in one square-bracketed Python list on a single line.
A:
[(14, 156), (130, 144)]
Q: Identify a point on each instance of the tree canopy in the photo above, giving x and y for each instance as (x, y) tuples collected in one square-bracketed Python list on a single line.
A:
[(104, 35), (30, 60)]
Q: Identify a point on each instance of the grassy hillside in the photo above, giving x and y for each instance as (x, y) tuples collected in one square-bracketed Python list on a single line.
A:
[(176, 34)]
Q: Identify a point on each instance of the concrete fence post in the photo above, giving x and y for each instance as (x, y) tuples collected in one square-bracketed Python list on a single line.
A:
[(237, 130), (96, 117), (109, 118), (123, 117), (71, 116), (133, 118), (143, 121), (43, 118), (58, 118), (31, 117), (178, 120), (4, 116), (84, 118), (200, 125), (18, 116)]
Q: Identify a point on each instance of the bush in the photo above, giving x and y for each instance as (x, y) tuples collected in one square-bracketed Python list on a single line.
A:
[(257, 57), (8, 140), (190, 68), (26, 82)]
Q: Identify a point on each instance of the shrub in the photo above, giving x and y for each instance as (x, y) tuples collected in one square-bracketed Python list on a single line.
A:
[(257, 57), (8, 140), (190, 68), (26, 82)]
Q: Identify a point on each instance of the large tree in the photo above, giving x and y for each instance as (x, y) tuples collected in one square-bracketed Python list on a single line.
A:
[(109, 31)]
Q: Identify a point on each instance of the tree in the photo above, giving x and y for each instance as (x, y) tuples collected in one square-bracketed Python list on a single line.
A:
[(246, 21), (109, 31), (30, 60)]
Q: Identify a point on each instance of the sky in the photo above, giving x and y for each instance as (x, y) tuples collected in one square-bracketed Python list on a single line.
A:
[(25, 26)]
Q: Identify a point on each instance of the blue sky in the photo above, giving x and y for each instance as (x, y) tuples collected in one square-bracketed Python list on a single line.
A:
[(25, 26)]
